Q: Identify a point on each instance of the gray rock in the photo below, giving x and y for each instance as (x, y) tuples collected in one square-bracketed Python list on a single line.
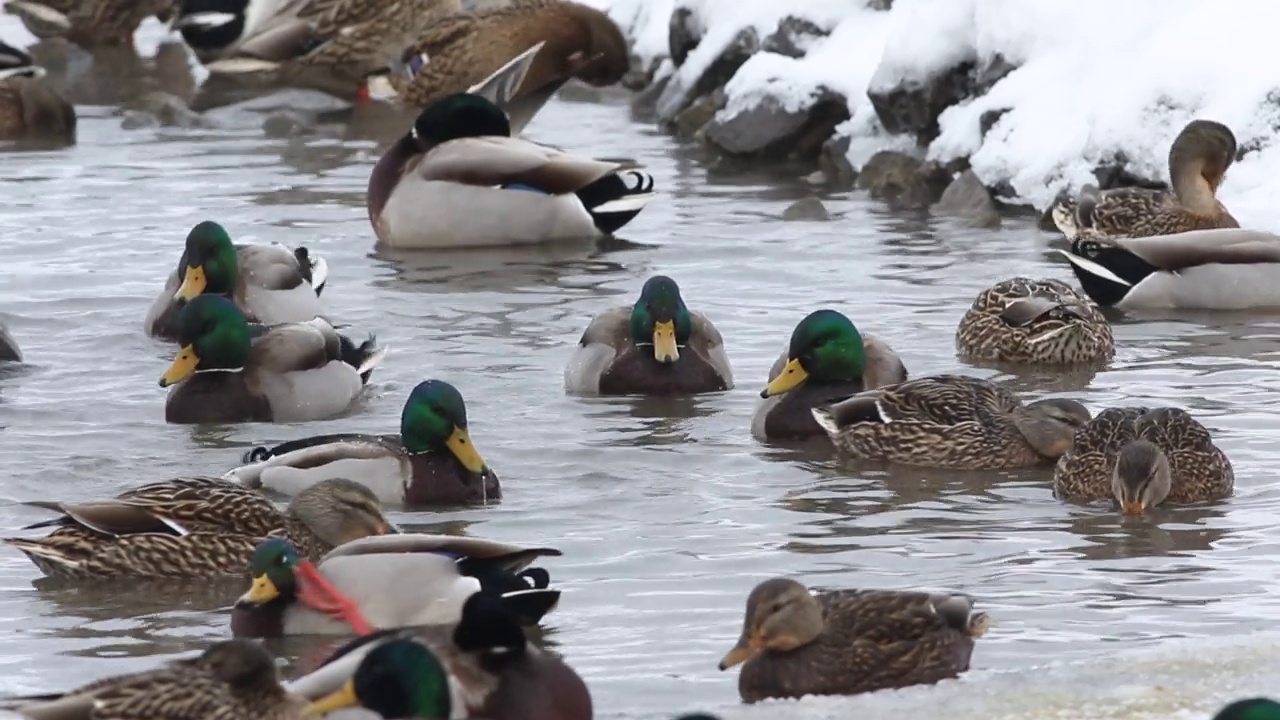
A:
[(989, 119), (806, 209), (914, 106), (833, 163), (969, 200), (679, 94), (884, 5), (793, 37), (770, 130), (683, 35), (690, 122), (644, 104), (902, 180), (990, 73), (287, 124), (160, 109)]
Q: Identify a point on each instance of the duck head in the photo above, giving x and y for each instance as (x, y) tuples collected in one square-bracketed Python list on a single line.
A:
[(825, 348)]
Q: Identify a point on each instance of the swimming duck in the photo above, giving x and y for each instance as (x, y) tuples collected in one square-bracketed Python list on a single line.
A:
[(796, 642), (269, 283), (387, 581), (432, 462), (29, 108), (951, 421), (89, 23), (1229, 269), (1250, 709), (481, 667), (227, 371), (1034, 322), (195, 527), (827, 358), (1143, 457), (636, 350), (1198, 160)]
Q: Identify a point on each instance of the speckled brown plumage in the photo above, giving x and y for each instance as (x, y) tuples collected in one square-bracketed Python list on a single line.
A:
[(93, 23), (1027, 321), (31, 110)]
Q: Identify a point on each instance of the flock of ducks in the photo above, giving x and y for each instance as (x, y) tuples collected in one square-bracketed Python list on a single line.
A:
[(254, 345)]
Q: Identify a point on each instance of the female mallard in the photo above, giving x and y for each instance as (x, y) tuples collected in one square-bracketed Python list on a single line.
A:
[(195, 528), (1034, 322), (826, 359), (844, 642), (231, 680), (951, 421), (1198, 160), (89, 23), (636, 350), (432, 462), (1199, 270), (228, 372), (29, 109), (269, 283), (388, 581), (1142, 458)]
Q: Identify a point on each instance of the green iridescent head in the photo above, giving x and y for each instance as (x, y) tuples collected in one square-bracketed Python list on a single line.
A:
[(209, 263), (399, 679), (659, 318), (459, 116), (1250, 709), (272, 568), (434, 419), (212, 335), (825, 349)]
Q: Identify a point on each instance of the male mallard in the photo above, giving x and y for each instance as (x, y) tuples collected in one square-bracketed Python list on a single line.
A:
[(845, 642), (1198, 160), (1034, 322), (228, 372), (269, 283), (1141, 458), (432, 462), (636, 350), (29, 108), (195, 527), (951, 421), (89, 23), (387, 581), (1251, 709), (1229, 269), (826, 359)]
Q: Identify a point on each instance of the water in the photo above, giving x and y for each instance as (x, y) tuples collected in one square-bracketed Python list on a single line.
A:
[(667, 512)]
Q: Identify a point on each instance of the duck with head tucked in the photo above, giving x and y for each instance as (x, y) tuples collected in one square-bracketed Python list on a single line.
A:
[(1142, 458), (228, 371), (827, 358), (797, 642), (657, 346), (89, 23), (30, 110), (1034, 322)]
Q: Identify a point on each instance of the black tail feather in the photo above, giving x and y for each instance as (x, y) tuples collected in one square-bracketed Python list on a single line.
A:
[(605, 198)]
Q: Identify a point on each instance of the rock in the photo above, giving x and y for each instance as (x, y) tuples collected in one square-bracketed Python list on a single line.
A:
[(694, 118), (913, 106), (883, 5), (902, 180), (989, 119), (969, 200), (990, 73), (160, 109), (793, 37), (682, 35), (1116, 174), (833, 163), (807, 209), (644, 104), (287, 124), (680, 93), (770, 130)]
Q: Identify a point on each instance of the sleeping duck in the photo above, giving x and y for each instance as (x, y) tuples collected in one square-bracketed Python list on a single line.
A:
[(1198, 160), (1034, 322), (270, 284), (1228, 269), (229, 371), (827, 358), (29, 108), (433, 460), (655, 347)]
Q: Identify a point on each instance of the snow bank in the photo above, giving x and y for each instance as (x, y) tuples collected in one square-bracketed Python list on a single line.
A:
[(645, 22)]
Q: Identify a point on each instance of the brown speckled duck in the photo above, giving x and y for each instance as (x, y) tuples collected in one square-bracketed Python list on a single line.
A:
[(1034, 322), (1142, 458), (89, 23), (843, 642), (29, 109)]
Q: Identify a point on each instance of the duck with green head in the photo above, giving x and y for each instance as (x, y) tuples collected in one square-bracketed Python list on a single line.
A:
[(229, 371), (433, 460), (827, 358), (1250, 709), (269, 283), (658, 346)]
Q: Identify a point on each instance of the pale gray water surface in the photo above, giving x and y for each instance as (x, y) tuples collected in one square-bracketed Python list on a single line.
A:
[(667, 512)]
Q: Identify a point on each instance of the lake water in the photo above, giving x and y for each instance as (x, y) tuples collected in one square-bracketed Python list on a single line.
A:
[(668, 512)]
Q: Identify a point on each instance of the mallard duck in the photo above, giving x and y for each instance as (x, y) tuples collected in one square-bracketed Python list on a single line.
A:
[(636, 350), (194, 528), (827, 358), (269, 283), (1251, 709), (481, 667), (231, 680), (951, 421), (432, 462), (388, 581), (1034, 322), (843, 642), (89, 23), (1198, 160), (1143, 457), (1195, 270), (227, 371), (30, 109)]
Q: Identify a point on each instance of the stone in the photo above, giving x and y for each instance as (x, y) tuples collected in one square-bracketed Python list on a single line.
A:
[(967, 199), (882, 5), (160, 109), (689, 123), (991, 72), (644, 104), (913, 106), (1116, 174), (770, 130), (902, 180), (833, 163), (679, 94), (806, 209), (287, 124), (989, 119), (793, 37), (683, 35)]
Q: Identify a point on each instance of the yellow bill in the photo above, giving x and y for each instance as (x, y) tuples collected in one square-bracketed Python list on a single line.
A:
[(193, 283), (459, 443), (664, 342), (345, 697), (789, 379), (183, 367), (262, 591), (742, 652), (1131, 507)]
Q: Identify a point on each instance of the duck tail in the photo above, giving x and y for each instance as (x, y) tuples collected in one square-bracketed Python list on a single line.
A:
[(363, 357), (50, 560), (314, 267), (615, 199), (528, 607)]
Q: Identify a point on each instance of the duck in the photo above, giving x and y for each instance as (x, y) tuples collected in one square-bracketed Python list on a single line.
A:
[(194, 528), (433, 461), (270, 284), (826, 358), (482, 666), (797, 642), (89, 23), (954, 422), (31, 110), (1198, 161), (9, 350), (459, 178), (637, 349), (1034, 322), (227, 371), (1142, 458), (388, 581), (1228, 269), (1250, 709)]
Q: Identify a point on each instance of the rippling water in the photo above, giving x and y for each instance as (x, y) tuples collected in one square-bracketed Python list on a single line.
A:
[(667, 511)]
